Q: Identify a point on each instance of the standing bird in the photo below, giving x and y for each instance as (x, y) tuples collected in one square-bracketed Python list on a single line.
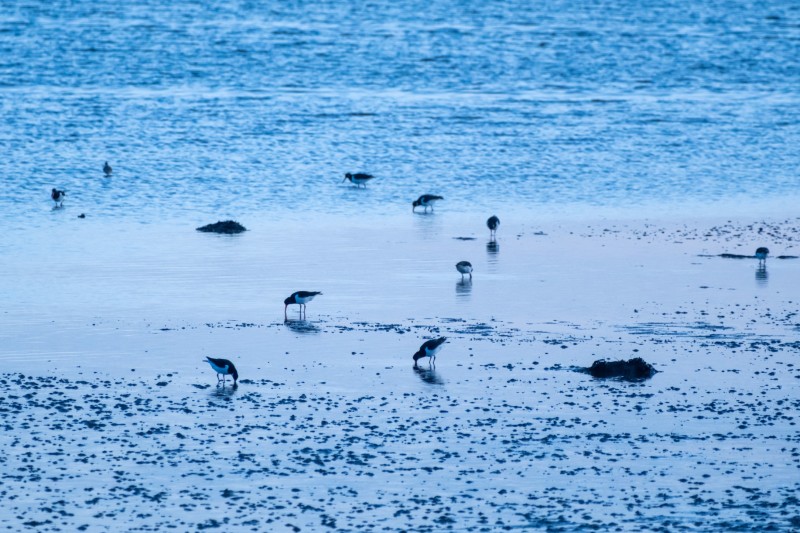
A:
[(425, 200), (107, 169), (300, 298), (358, 179), (492, 223), (465, 267), (761, 254), (58, 197), (224, 368), (429, 349)]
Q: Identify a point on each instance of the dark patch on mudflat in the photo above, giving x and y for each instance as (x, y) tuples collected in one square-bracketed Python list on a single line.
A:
[(740, 256), (228, 227), (632, 369)]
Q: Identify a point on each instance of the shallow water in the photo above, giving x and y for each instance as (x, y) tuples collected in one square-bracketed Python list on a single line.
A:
[(107, 395), (229, 108)]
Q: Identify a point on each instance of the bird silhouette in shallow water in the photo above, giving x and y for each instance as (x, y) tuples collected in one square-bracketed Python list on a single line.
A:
[(358, 179), (465, 267), (492, 224), (429, 349), (761, 254), (223, 368), (300, 298), (426, 200), (58, 196), (107, 170)]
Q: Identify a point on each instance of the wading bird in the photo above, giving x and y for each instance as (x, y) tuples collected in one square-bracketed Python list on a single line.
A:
[(223, 368), (358, 179), (300, 298), (492, 224), (58, 196), (429, 349), (465, 267), (426, 200)]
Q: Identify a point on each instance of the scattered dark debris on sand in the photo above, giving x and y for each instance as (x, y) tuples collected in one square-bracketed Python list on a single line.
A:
[(739, 256), (636, 368), (228, 227)]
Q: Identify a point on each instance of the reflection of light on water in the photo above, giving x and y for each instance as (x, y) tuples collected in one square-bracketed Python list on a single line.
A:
[(761, 275), (463, 288)]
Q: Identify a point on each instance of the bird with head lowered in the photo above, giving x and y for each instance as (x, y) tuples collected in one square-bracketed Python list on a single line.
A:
[(300, 298), (429, 349), (223, 368), (426, 201)]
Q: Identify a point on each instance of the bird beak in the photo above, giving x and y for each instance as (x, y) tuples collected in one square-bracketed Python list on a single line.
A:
[(345, 179)]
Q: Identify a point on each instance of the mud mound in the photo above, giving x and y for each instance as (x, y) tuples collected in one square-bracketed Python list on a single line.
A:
[(229, 226), (636, 368)]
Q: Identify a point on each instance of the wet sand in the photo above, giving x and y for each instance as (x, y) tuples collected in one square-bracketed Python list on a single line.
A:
[(111, 416)]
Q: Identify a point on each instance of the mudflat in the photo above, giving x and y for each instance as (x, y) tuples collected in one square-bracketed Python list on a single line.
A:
[(111, 415)]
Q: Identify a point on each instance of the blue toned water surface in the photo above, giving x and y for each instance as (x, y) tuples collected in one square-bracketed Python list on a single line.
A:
[(538, 111), (234, 107)]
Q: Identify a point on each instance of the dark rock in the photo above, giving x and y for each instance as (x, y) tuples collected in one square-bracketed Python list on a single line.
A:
[(229, 227), (636, 368)]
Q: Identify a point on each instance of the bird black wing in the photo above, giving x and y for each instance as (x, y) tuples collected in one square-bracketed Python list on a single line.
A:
[(433, 343), (306, 294)]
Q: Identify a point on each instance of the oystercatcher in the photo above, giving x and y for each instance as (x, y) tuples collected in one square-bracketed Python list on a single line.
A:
[(300, 298), (761, 254), (425, 200), (58, 196), (224, 368), (465, 267), (429, 349), (107, 169), (492, 223), (358, 179)]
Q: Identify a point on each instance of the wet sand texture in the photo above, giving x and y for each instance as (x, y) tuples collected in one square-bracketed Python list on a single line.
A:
[(110, 416)]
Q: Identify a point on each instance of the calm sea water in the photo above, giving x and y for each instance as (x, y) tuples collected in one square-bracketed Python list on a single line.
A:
[(230, 108)]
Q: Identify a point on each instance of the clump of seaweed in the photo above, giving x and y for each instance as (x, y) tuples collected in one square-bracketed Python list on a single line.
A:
[(228, 226), (631, 369)]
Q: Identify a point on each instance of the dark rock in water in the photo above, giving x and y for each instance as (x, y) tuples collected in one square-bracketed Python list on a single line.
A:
[(636, 368), (228, 226), (82, 215)]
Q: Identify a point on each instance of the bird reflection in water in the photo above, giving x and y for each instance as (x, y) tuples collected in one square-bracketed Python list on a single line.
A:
[(761, 274), (303, 327), (223, 391), (492, 248), (428, 375), (463, 287), (428, 225)]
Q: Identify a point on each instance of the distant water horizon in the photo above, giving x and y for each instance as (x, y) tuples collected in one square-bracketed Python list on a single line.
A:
[(233, 109)]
